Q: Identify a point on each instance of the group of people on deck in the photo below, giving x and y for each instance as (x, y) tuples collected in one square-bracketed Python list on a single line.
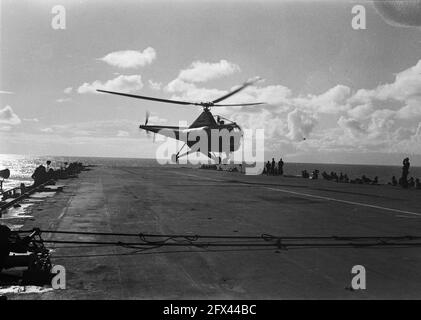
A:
[(404, 182), (410, 183), (333, 176), (273, 168), (43, 173)]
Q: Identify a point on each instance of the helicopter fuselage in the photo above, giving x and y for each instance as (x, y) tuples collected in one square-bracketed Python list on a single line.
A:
[(204, 135)]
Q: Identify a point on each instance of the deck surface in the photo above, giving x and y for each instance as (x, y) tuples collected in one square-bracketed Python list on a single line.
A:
[(171, 200)]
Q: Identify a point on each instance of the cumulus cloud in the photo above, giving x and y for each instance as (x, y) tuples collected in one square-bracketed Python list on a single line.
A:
[(154, 85), (411, 110), (182, 90), (404, 13), (130, 58), (31, 119), (351, 126), (383, 118), (275, 125), (409, 143), (68, 90), (402, 133), (271, 95), (124, 83), (62, 100), (178, 85), (361, 111), (331, 101), (200, 71), (389, 106), (156, 119), (189, 85), (300, 124), (95, 129), (407, 85), (7, 116), (122, 133), (5, 128)]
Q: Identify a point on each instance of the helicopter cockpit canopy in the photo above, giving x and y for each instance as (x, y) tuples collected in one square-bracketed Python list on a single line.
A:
[(231, 125)]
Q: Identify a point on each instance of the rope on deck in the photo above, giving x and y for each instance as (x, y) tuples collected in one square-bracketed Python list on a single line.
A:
[(262, 236), (206, 241)]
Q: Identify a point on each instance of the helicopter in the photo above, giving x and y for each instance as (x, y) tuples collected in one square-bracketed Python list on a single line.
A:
[(205, 123)]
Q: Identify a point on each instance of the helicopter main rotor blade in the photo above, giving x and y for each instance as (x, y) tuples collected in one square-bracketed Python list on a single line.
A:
[(150, 98), (229, 94), (238, 104)]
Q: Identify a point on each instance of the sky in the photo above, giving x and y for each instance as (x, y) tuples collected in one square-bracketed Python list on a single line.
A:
[(334, 94)]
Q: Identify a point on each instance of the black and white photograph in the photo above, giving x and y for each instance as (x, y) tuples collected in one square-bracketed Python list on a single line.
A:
[(224, 151)]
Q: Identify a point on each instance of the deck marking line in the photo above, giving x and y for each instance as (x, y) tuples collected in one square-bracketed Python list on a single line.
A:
[(195, 176), (403, 216), (312, 196), (344, 201)]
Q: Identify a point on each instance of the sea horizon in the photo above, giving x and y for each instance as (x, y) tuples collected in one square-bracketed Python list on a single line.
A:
[(146, 158), (22, 167)]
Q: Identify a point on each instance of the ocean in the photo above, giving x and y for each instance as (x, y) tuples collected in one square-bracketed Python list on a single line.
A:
[(22, 166)]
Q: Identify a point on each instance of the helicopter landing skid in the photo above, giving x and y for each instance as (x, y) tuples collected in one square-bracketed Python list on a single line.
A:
[(175, 157)]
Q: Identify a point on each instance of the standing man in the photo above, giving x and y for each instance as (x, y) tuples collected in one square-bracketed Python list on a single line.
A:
[(405, 172), (281, 167), (273, 166), (267, 168)]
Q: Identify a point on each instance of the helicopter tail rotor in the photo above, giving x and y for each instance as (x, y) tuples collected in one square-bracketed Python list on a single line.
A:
[(147, 117)]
